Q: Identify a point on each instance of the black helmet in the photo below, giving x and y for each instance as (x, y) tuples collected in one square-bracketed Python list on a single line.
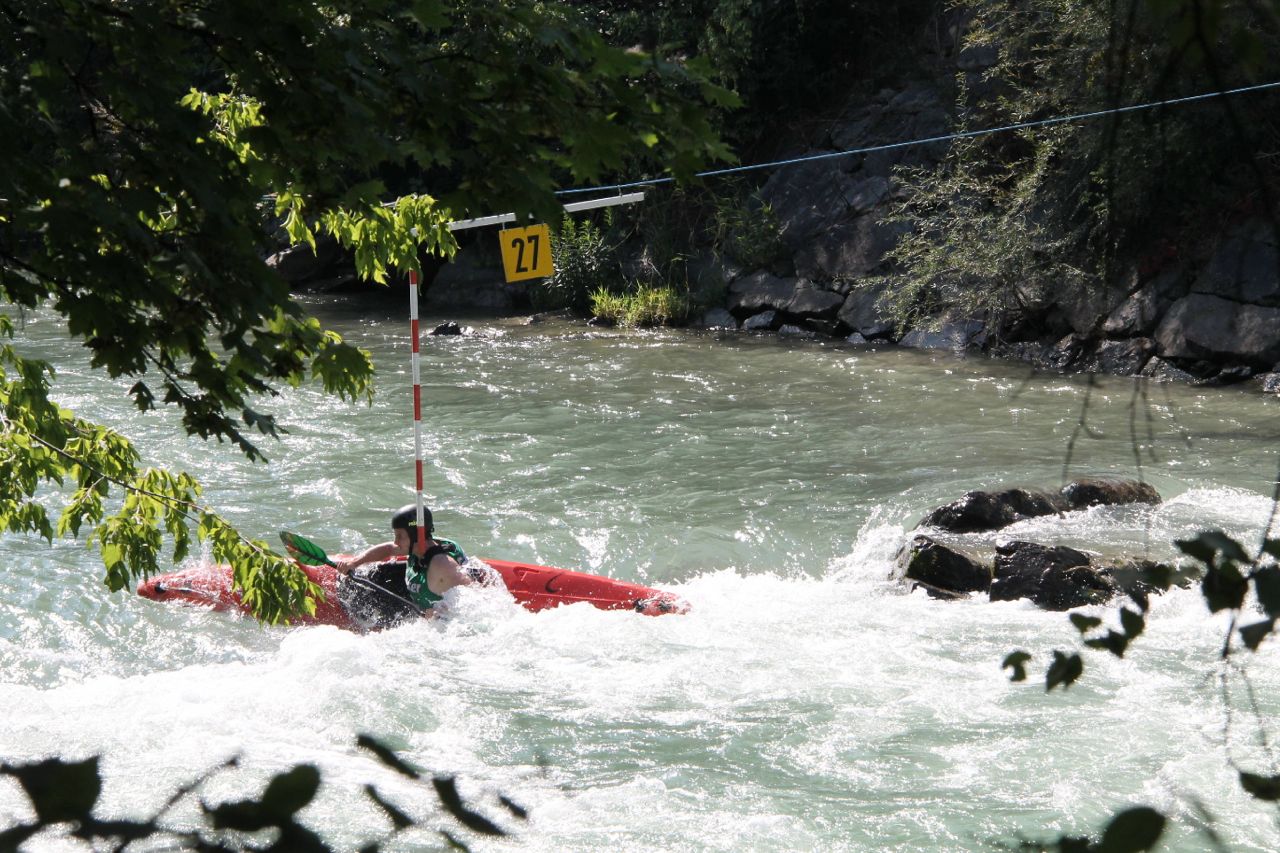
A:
[(406, 518)]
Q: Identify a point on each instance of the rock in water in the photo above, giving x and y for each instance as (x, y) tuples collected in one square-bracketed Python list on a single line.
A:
[(944, 568), (1095, 491), (977, 510), (1057, 578)]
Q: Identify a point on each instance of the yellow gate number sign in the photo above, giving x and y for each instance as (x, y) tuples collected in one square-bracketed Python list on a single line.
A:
[(526, 252)]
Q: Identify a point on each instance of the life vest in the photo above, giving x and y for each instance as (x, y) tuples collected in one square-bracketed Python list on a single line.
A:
[(415, 571)]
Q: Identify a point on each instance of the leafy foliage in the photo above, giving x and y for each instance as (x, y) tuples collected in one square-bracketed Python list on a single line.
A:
[(1013, 221), (586, 260), (41, 442), (783, 57), (746, 230), (151, 149), (1229, 573), (65, 794)]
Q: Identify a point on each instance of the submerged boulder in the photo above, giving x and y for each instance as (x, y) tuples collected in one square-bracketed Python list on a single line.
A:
[(939, 567), (1108, 491), (1055, 578), (977, 510)]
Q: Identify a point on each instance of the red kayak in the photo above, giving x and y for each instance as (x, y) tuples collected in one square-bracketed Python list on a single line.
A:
[(348, 603)]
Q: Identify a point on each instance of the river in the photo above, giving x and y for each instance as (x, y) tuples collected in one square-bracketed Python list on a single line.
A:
[(805, 703)]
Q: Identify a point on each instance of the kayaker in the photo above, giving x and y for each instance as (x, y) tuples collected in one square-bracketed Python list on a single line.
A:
[(434, 568)]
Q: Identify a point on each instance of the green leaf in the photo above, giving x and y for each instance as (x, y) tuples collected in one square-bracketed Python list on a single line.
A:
[(1084, 624), (515, 808), (1017, 661), (1132, 831), (291, 791), (59, 791), (286, 793), (1266, 584), (1254, 634), (447, 791), (1132, 622), (1113, 642), (399, 819), (1207, 545), (386, 755), (1064, 670), (1224, 587), (1261, 787)]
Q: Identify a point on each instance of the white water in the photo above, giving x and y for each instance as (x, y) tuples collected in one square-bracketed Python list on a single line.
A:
[(805, 703)]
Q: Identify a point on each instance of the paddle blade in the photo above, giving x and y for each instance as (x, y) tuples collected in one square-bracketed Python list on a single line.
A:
[(304, 550)]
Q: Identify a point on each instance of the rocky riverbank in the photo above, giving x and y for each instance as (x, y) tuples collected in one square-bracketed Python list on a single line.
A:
[(1202, 310)]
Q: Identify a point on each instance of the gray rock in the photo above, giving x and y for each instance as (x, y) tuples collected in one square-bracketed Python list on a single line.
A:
[(1120, 358), (449, 328), (955, 335), (978, 57), (809, 300), (943, 567), (1066, 353), (808, 198), (792, 331), (867, 193), (1081, 305), (1054, 578), (718, 318), (863, 311), (1031, 351), (854, 133), (761, 321), (760, 289), (1270, 382), (329, 267), (858, 340), (1108, 491), (978, 511), (1139, 313), (710, 273), (848, 250), (1160, 370), (475, 280), (823, 326), (1232, 375), (1204, 326), (1245, 267)]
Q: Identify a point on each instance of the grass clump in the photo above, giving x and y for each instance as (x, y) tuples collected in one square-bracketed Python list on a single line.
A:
[(647, 306)]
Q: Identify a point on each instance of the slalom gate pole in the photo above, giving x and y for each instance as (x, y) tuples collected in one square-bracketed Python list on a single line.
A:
[(417, 402)]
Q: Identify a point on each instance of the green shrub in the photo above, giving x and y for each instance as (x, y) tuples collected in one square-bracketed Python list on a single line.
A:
[(745, 229), (586, 260), (648, 306)]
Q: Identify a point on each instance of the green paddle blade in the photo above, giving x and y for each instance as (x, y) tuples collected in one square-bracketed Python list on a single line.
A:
[(304, 550)]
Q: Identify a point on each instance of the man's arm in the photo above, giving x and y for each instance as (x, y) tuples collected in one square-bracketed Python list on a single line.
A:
[(448, 574), (374, 554)]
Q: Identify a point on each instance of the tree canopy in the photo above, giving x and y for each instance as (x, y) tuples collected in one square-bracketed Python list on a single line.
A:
[(152, 151)]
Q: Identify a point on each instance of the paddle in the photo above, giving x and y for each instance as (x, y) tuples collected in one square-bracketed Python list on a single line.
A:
[(309, 553), (304, 550)]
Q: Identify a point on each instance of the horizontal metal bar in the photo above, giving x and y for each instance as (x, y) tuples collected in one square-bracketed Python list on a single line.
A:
[(574, 207), (607, 201), (463, 224)]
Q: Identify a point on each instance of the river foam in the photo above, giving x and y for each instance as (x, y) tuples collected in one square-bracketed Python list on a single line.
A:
[(805, 702)]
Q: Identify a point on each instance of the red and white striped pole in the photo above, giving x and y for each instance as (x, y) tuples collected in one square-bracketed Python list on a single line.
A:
[(417, 402)]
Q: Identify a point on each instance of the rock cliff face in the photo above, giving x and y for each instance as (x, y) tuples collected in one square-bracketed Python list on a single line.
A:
[(1208, 312)]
